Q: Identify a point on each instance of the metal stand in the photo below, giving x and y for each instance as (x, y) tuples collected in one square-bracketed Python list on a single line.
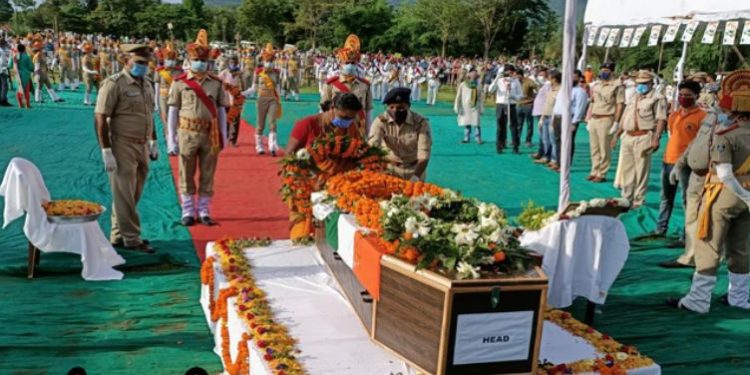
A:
[(34, 255)]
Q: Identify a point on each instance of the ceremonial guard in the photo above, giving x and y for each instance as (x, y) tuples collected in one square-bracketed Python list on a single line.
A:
[(41, 72), (125, 127), (607, 103), (90, 67), (65, 65), (197, 108), (348, 81), (266, 86), (293, 77), (248, 67), (231, 78), (643, 123), (723, 217), (416, 78), (164, 78), (404, 134)]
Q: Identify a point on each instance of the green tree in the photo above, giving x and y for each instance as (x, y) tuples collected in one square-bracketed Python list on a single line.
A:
[(446, 16), (222, 23), (259, 20), (152, 22), (367, 19), (310, 16), (116, 16), (6, 11), (504, 17), (195, 7)]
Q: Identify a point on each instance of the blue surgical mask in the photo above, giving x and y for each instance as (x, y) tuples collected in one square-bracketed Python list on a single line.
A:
[(170, 63), (604, 75), (342, 123), (642, 88), (198, 66), (723, 118), (138, 70), (349, 70)]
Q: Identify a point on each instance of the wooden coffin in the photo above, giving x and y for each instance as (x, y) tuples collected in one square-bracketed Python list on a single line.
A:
[(444, 326)]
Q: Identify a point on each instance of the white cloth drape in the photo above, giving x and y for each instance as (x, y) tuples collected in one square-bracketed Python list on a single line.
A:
[(582, 257), (24, 191)]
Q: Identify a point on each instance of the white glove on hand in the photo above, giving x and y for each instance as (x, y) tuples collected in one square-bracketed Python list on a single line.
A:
[(615, 127), (674, 175), (153, 150), (110, 163), (249, 92)]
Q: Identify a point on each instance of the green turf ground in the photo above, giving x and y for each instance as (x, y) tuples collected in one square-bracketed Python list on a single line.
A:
[(151, 322)]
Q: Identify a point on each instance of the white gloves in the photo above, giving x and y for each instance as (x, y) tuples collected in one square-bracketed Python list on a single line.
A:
[(172, 123), (249, 92), (615, 127), (674, 175), (110, 163), (153, 149), (726, 174), (156, 97)]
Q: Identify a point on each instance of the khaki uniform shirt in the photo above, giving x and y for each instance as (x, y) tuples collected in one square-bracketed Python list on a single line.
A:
[(605, 96), (129, 103), (406, 143), (529, 88), (191, 107), (360, 89), (644, 112), (165, 84), (732, 147), (260, 83), (39, 58), (89, 62)]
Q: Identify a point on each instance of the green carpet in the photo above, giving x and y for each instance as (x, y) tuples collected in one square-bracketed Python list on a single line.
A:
[(681, 342), (151, 321), (148, 323)]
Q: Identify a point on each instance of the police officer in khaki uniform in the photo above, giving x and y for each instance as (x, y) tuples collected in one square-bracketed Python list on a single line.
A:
[(125, 127), (267, 86), (404, 134), (198, 109), (607, 103), (163, 78), (724, 216), (643, 123), (349, 79), (89, 65), (41, 72)]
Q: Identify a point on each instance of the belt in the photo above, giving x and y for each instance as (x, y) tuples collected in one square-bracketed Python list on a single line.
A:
[(402, 164), (602, 116), (700, 172), (194, 125), (140, 141), (638, 133)]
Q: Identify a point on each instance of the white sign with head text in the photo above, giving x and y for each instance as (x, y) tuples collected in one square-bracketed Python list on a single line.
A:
[(493, 337)]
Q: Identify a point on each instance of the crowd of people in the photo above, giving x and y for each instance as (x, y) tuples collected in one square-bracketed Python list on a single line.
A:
[(200, 90)]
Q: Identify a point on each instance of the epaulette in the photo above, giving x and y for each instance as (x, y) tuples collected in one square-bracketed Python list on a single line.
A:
[(332, 79), (115, 77), (727, 130)]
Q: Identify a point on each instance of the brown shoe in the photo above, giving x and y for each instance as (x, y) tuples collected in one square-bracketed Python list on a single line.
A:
[(141, 248), (591, 177), (598, 179)]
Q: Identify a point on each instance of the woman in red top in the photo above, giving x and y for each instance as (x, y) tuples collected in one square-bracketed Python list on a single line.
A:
[(339, 115)]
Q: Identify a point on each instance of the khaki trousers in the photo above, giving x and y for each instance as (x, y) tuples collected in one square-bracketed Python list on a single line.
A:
[(601, 152), (127, 186), (195, 153), (730, 228), (267, 107), (635, 165), (693, 197)]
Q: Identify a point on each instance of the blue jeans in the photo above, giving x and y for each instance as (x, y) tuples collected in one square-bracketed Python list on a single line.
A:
[(548, 139), (668, 192), (524, 117)]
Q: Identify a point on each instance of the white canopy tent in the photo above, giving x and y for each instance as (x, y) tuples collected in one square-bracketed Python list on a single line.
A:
[(629, 13)]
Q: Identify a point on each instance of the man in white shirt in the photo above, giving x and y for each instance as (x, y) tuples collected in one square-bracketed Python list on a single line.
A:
[(4, 73), (507, 91), (579, 102)]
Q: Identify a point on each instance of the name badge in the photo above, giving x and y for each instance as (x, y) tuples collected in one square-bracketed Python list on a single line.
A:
[(131, 94)]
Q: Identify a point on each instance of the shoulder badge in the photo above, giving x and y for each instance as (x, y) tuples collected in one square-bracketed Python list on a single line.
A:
[(727, 130)]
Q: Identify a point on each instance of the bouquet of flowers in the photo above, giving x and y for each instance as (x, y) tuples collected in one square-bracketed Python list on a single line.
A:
[(533, 217), (594, 206)]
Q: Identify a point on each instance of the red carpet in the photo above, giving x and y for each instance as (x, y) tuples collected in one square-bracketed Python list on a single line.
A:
[(246, 201)]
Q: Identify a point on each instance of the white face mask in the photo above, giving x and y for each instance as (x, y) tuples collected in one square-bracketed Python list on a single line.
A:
[(268, 65), (170, 63)]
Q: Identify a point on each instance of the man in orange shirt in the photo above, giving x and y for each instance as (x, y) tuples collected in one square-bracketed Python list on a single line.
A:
[(683, 125), (588, 74)]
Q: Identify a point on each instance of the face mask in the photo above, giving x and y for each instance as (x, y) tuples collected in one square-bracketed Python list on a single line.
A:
[(399, 115), (198, 66), (540, 78), (723, 119), (342, 123), (604, 75), (138, 70), (642, 88), (686, 102), (349, 70), (233, 67), (170, 63), (268, 65)]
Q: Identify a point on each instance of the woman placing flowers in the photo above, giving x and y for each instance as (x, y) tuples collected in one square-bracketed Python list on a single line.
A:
[(339, 119)]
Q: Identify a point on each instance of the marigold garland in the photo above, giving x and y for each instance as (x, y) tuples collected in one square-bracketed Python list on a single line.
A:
[(272, 339), (71, 208), (617, 358)]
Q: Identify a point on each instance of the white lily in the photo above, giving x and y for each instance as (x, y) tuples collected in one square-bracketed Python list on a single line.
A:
[(467, 271), (303, 154), (465, 234)]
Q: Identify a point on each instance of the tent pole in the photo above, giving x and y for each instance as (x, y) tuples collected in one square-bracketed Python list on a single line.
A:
[(584, 49), (606, 55), (739, 54), (569, 52), (661, 56)]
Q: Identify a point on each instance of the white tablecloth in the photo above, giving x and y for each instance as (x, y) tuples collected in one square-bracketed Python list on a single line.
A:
[(24, 191), (308, 301), (348, 227), (582, 257)]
